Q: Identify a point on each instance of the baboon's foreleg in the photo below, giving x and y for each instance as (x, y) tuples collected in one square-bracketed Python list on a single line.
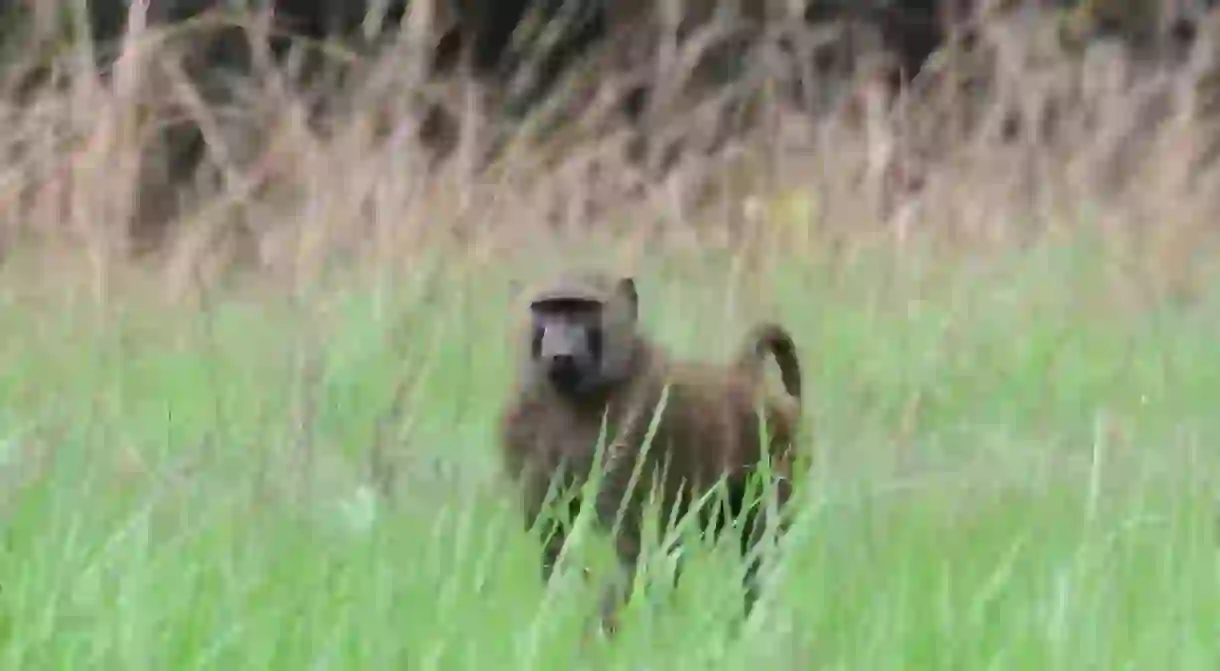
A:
[(553, 531), (616, 491)]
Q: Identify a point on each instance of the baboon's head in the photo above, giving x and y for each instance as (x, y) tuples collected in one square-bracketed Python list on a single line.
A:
[(582, 331)]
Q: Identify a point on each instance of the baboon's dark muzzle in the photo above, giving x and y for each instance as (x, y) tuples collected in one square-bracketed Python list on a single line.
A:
[(564, 373)]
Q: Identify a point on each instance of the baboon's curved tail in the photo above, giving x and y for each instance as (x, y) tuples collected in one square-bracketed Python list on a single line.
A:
[(771, 338)]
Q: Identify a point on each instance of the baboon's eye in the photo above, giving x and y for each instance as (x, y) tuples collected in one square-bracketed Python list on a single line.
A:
[(536, 342), (595, 343), (567, 307)]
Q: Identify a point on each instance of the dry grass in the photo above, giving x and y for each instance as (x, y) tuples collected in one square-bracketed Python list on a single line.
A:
[(1102, 143)]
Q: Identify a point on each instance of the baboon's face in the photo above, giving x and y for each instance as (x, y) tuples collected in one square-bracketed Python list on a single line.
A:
[(567, 343)]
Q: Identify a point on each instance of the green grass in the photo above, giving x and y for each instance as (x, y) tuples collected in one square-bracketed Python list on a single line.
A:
[(1012, 468)]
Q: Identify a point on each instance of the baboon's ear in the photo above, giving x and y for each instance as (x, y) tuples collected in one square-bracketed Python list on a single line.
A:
[(626, 289)]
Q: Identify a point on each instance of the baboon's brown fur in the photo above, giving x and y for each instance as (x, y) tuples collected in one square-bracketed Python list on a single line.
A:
[(708, 427)]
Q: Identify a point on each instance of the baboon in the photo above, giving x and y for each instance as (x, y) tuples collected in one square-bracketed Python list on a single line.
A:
[(588, 361)]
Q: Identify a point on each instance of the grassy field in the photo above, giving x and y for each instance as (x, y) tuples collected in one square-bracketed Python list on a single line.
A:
[(1012, 468), (1011, 401)]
